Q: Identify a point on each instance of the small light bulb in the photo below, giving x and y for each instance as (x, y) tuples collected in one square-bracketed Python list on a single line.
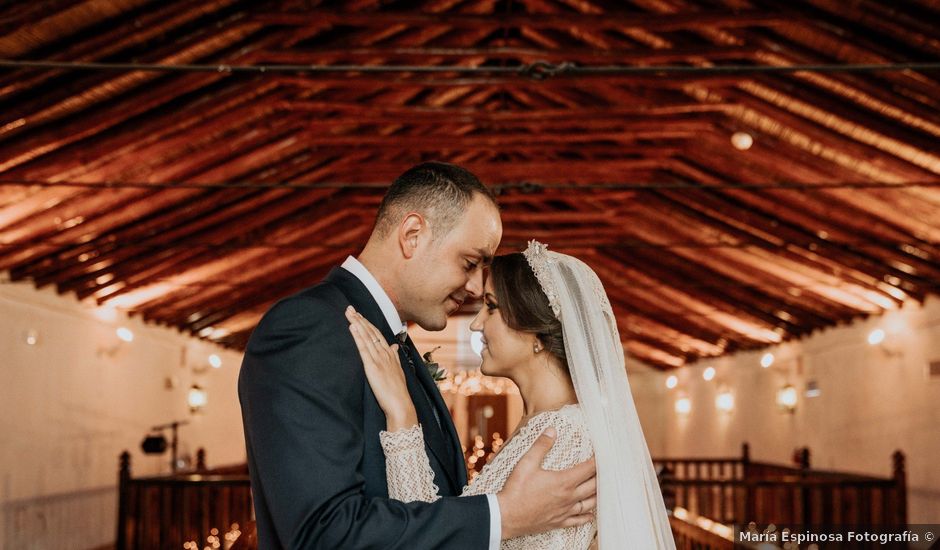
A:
[(672, 381), (125, 334), (767, 360), (215, 361), (876, 337), (725, 401), (197, 398), (683, 405), (709, 373), (742, 141), (787, 398)]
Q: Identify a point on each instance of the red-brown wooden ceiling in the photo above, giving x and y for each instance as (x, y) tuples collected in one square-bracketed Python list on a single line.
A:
[(695, 266)]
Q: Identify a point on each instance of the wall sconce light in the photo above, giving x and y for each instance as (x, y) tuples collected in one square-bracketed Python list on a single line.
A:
[(683, 405), (787, 398), (877, 338), (124, 336), (197, 399), (31, 337), (724, 402)]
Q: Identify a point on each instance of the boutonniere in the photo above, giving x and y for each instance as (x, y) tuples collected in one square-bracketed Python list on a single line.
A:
[(436, 372)]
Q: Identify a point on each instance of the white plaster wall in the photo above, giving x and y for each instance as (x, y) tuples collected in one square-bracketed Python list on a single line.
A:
[(71, 403), (874, 400)]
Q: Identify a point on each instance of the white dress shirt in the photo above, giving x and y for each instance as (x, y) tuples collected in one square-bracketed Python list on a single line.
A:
[(395, 323)]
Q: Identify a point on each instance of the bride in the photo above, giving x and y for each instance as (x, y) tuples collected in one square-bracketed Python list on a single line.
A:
[(548, 326)]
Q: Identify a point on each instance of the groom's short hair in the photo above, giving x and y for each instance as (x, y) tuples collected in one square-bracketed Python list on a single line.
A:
[(437, 190)]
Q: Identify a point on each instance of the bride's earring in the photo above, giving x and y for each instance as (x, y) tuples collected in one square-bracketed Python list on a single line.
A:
[(536, 347)]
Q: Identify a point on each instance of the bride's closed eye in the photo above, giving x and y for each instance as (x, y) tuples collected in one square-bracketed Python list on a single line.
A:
[(490, 305)]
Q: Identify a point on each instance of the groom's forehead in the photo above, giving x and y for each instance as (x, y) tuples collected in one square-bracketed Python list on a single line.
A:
[(485, 255)]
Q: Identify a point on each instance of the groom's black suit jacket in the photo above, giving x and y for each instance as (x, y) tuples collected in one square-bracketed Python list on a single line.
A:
[(312, 434)]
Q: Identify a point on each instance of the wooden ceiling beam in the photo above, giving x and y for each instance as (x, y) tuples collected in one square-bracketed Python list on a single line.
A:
[(695, 277), (180, 269), (138, 258), (303, 272), (696, 320), (769, 230), (149, 25), (312, 265), (894, 211), (116, 204), (871, 233), (607, 21), (389, 53), (476, 114), (750, 321)]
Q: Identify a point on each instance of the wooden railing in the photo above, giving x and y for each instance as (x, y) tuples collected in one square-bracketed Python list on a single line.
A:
[(738, 490), (169, 511)]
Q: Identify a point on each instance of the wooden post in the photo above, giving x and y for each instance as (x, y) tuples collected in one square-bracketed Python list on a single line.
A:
[(806, 512), (802, 458), (900, 486), (201, 460), (745, 460), (124, 475)]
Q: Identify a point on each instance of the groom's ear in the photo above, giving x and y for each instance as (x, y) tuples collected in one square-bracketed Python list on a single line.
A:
[(412, 230)]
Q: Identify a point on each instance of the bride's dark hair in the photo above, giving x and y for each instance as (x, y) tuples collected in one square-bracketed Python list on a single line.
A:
[(523, 305)]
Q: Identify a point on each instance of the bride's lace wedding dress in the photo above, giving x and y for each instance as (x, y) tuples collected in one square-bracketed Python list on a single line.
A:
[(410, 477)]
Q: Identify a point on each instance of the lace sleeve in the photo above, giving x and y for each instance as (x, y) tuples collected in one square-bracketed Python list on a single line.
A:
[(409, 473)]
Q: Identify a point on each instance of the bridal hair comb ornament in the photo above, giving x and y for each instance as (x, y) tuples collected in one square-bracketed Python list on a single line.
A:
[(541, 261)]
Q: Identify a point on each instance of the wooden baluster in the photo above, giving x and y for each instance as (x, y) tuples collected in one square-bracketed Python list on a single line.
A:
[(179, 531), (886, 515), (164, 497), (746, 466), (900, 488), (124, 476), (750, 501)]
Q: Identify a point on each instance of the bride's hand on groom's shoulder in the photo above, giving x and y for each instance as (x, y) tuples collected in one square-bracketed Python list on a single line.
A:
[(383, 370), (534, 500)]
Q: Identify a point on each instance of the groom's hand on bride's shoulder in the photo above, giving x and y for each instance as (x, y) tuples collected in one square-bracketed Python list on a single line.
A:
[(534, 500)]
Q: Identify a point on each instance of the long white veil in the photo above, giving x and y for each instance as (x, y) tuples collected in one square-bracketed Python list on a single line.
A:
[(630, 510)]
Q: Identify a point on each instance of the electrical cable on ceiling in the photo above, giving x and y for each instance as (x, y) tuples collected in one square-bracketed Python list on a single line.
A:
[(524, 187), (536, 70)]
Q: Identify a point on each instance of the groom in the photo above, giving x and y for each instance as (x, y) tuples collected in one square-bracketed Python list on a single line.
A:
[(312, 422)]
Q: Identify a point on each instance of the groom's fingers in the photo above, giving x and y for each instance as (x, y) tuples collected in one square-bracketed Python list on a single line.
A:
[(581, 473), (540, 448), (586, 506), (577, 521), (585, 489)]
